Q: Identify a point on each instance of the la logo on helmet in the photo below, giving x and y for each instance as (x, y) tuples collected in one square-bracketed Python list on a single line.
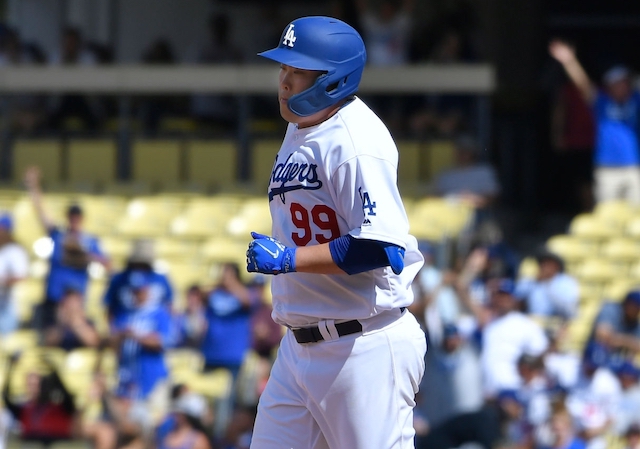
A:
[(289, 36)]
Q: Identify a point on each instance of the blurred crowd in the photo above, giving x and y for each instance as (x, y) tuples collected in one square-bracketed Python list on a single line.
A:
[(388, 28), (146, 407), (502, 369)]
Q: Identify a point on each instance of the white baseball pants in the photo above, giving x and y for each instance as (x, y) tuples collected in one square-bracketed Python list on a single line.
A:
[(354, 392)]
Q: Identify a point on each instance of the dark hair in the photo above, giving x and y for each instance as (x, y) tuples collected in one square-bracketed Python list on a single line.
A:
[(74, 209), (531, 361)]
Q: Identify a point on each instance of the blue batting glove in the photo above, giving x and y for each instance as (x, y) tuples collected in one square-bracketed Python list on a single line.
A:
[(269, 256)]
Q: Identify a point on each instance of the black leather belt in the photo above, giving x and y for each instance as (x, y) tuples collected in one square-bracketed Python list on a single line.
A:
[(313, 335)]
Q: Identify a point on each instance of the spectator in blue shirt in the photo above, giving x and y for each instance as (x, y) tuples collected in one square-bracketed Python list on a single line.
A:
[(616, 109), (140, 339), (73, 251), (119, 297), (228, 335), (617, 326)]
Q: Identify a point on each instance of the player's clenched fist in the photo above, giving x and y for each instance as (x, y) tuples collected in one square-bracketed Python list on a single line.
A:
[(269, 256)]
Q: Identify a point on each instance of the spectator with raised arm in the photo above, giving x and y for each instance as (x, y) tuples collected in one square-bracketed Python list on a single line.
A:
[(14, 266), (73, 251), (72, 329), (617, 111)]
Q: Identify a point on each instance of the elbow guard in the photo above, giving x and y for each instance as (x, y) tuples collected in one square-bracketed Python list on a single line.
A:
[(355, 256)]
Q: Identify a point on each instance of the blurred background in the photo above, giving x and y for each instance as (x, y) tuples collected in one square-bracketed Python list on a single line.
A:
[(136, 141)]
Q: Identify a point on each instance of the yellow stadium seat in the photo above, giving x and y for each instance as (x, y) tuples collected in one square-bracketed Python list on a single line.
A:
[(450, 216), (156, 161), (578, 331), (617, 289), (571, 248), (222, 250), (45, 154), (92, 160), (633, 227), (212, 162), (183, 274), (254, 215), (214, 385), (528, 268), (591, 227), (437, 156), (634, 272), (263, 157), (101, 212), (617, 213), (596, 270), (173, 249), (621, 252), (184, 359), (28, 293), (143, 227), (408, 162), (19, 340)]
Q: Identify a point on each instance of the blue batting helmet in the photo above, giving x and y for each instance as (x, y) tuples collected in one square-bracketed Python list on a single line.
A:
[(325, 44)]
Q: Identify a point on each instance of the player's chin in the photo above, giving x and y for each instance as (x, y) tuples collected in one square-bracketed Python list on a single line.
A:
[(286, 113)]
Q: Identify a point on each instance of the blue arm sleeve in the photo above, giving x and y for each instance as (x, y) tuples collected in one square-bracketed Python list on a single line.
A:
[(355, 256)]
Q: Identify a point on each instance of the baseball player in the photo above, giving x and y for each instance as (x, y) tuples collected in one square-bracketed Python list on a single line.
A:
[(350, 363)]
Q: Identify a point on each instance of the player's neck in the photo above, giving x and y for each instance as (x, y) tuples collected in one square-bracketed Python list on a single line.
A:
[(321, 116)]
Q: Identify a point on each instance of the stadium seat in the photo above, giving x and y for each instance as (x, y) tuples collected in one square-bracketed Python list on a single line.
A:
[(205, 217), (184, 359), (263, 157), (408, 162), (222, 250), (78, 373), (101, 212), (43, 153), (571, 248), (19, 340), (254, 215), (596, 270), (591, 227), (183, 274), (437, 156), (528, 268), (175, 249), (617, 213), (28, 293), (157, 161), (212, 162), (215, 385), (92, 160), (622, 252), (633, 228), (617, 289), (450, 216)]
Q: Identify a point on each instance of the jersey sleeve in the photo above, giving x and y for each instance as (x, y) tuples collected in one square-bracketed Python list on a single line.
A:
[(367, 198)]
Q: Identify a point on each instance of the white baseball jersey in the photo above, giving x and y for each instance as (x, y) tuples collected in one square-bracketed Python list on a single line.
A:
[(332, 179)]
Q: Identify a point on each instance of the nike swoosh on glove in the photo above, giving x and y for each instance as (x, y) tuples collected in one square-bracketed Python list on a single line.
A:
[(269, 256)]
